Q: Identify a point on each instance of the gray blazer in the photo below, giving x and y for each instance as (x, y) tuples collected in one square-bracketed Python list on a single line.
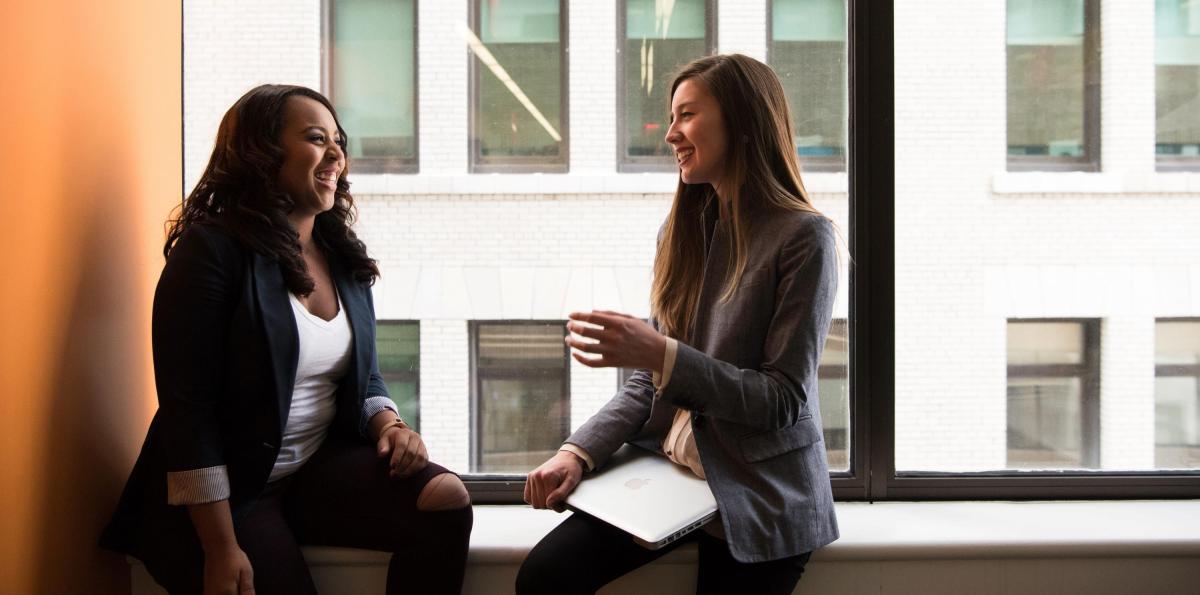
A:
[(749, 377)]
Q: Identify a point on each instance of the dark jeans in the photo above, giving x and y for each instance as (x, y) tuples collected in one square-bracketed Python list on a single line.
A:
[(341, 497), (583, 554)]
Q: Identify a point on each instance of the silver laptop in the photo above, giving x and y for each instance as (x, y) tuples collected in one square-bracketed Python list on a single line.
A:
[(646, 495)]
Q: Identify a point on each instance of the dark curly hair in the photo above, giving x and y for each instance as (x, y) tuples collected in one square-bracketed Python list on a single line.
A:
[(239, 192)]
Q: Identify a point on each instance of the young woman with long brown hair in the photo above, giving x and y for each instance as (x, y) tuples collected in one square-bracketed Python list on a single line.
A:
[(274, 427), (744, 283)]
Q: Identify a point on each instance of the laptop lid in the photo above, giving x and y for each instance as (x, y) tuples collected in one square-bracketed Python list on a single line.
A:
[(646, 495)]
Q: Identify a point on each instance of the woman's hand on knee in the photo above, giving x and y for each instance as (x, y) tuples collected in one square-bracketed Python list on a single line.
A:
[(549, 485), (227, 571), (405, 449)]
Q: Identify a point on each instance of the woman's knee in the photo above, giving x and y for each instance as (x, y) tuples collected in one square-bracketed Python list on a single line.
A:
[(444, 492)]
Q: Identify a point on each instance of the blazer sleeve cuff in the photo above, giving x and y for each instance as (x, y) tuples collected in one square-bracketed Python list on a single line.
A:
[(578, 451), (661, 380), (373, 405), (197, 486)]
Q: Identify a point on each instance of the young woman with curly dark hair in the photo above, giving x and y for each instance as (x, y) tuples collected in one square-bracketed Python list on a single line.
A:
[(274, 427)]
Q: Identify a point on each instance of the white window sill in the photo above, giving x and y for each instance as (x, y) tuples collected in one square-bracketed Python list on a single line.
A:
[(900, 531), (1049, 182)]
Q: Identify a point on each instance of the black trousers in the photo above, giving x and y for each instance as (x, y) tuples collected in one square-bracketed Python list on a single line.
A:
[(583, 554), (341, 497)]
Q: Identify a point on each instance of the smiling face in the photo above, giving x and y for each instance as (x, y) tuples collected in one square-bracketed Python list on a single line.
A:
[(313, 157), (697, 134)]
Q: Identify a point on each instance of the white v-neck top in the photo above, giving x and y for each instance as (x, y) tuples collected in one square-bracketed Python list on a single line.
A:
[(325, 347)]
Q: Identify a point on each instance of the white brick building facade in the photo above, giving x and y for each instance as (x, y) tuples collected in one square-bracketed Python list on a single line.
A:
[(976, 245)]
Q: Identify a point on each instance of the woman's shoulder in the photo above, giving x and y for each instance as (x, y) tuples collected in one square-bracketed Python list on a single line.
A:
[(793, 228), (208, 240)]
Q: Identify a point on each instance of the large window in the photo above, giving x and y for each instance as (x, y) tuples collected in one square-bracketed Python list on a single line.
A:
[(1177, 394), (398, 349), (520, 394), (967, 358), (1053, 84), (654, 39), (371, 78), (519, 85), (807, 49), (1053, 395), (1177, 82)]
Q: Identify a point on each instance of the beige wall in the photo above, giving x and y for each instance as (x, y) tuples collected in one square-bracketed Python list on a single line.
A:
[(90, 158)]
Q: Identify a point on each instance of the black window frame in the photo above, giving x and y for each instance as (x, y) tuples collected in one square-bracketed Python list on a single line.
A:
[(377, 165), (815, 164), (476, 162), (484, 485), (871, 169), (1090, 161), (645, 164)]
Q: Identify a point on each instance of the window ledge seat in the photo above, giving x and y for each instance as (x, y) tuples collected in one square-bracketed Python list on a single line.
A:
[(943, 546)]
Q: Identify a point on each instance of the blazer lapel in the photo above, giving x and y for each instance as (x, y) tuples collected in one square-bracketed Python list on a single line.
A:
[(279, 332), (354, 300)]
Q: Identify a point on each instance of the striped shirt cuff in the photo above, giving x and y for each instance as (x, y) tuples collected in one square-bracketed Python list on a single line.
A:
[(197, 486), (578, 451), (374, 405)]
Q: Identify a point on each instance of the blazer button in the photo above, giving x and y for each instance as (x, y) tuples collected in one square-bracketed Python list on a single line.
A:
[(698, 420)]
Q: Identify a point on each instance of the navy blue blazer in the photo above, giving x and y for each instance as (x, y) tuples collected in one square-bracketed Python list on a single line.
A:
[(225, 354)]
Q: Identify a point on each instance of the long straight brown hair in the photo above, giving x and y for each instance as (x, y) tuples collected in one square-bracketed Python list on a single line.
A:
[(761, 173)]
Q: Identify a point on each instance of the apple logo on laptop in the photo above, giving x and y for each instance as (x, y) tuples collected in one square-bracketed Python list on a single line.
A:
[(636, 483)]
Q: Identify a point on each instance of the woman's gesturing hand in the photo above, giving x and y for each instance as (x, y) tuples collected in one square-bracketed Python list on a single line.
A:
[(407, 451), (615, 340)]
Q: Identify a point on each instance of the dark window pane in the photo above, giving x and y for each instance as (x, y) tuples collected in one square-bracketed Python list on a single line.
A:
[(1051, 395), (1177, 394), (373, 77), (658, 39), (808, 52), (1044, 423), (833, 386), (1046, 78), (1177, 78), (518, 69), (398, 347), (522, 398)]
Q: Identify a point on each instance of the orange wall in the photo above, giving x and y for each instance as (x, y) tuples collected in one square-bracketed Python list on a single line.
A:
[(90, 162)]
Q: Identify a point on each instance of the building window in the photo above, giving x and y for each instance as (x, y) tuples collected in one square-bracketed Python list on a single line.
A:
[(1053, 85), (521, 396), (371, 77), (807, 48), (1053, 394), (654, 39), (518, 86), (398, 349), (1177, 84), (1177, 394), (833, 388)]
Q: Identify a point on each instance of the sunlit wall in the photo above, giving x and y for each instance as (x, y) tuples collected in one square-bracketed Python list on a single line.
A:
[(90, 158)]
